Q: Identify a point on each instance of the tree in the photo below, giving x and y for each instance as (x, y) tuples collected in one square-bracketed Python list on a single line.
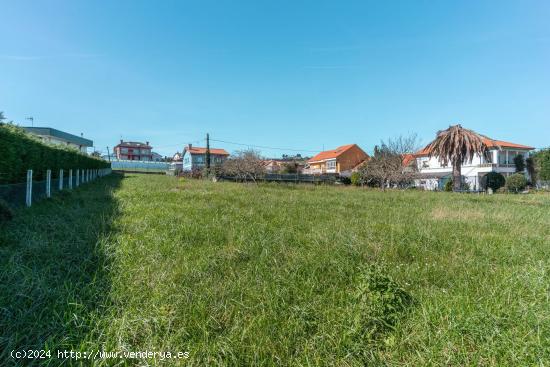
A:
[(290, 167), (208, 159), (542, 164), (519, 162), (244, 165), (385, 168), (530, 165), (456, 145)]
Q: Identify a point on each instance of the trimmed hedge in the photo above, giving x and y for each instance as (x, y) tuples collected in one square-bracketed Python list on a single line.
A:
[(21, 151)]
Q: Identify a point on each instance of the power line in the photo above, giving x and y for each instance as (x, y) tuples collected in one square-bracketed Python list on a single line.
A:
[(264, 147)]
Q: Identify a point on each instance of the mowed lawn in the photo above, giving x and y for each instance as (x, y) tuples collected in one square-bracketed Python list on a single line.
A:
[(268, 274)]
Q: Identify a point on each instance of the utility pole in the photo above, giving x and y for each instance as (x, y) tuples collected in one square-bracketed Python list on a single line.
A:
[(108, 154), (31, 119), (208, 152)]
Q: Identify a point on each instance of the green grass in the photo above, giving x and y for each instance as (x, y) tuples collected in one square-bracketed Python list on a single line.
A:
[(240, 274)]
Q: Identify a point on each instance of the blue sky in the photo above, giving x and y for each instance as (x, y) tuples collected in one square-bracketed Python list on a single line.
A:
[(292, 74)]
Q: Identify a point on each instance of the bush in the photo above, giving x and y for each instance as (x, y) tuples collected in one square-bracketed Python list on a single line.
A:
[(345, 180), (355, 179), (516, 182), (448, 186), (5, 212), (494, 180), (22, 151)]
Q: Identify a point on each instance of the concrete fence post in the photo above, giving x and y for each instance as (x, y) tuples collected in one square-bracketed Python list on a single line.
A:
[(77, 178), (49, 183), (70, 179), (60, 179), (28, 197)]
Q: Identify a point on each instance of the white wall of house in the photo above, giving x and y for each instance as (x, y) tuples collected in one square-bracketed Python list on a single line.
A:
[(501, 161)]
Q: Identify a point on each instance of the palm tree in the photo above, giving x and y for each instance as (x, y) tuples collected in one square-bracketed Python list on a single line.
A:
[(457, 146)]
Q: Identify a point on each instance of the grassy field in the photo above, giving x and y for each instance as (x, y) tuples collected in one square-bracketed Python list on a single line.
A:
[(266, 274)]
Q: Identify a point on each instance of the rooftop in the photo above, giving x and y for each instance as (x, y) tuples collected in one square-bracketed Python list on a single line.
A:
[(133, 144), (49, 131), (331, 154), (200, 150), (491, 144)]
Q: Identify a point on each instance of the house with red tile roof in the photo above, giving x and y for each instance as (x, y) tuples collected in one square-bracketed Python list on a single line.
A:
[(133, 151), (433, 175), (338, 161), (194, 158)]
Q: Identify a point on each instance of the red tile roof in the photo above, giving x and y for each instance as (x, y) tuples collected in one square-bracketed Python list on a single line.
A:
[(199, 150), (330, 154), (496, 143), (407, 158), (491, 144)]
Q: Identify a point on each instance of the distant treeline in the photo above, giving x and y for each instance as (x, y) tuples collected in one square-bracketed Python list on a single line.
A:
[(20, 151)]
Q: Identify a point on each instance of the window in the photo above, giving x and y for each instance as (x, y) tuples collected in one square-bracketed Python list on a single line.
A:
[(199, 159), (331, 164)]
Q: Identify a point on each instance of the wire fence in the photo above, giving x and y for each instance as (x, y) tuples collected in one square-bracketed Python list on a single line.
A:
[(32, 191), (140, 166)]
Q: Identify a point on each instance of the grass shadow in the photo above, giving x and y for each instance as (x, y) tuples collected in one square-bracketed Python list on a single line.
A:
[(53, 272)]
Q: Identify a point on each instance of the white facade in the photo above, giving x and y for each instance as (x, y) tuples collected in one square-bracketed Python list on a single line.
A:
[(434, 175)]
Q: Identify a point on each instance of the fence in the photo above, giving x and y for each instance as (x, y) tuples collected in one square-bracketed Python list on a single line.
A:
[(295, 178), (140, 166), (31, 191)]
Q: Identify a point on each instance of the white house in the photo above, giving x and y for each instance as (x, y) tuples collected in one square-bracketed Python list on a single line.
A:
[(194, 158), (433, 175)]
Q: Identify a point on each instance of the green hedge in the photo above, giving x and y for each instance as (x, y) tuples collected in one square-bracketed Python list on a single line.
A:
[(21, 151)]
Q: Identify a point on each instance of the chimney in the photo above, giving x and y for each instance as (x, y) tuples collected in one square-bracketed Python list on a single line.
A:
[(121, 141), (189, 146), (146, 143)]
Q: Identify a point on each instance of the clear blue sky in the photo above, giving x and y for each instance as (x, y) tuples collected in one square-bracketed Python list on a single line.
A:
[(296, 74)]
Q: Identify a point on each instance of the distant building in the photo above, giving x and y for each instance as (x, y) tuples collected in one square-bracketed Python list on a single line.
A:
[(176, 162), (133, 151), (284, 165), (54, 136), (157, 157), (341, 160), (194, 158)]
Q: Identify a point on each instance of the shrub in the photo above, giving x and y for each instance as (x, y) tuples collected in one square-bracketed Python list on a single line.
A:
[(5, 212), (448, 186), (345, 180), (494, 180), (22, 151), (516, 182), (355, 179)]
